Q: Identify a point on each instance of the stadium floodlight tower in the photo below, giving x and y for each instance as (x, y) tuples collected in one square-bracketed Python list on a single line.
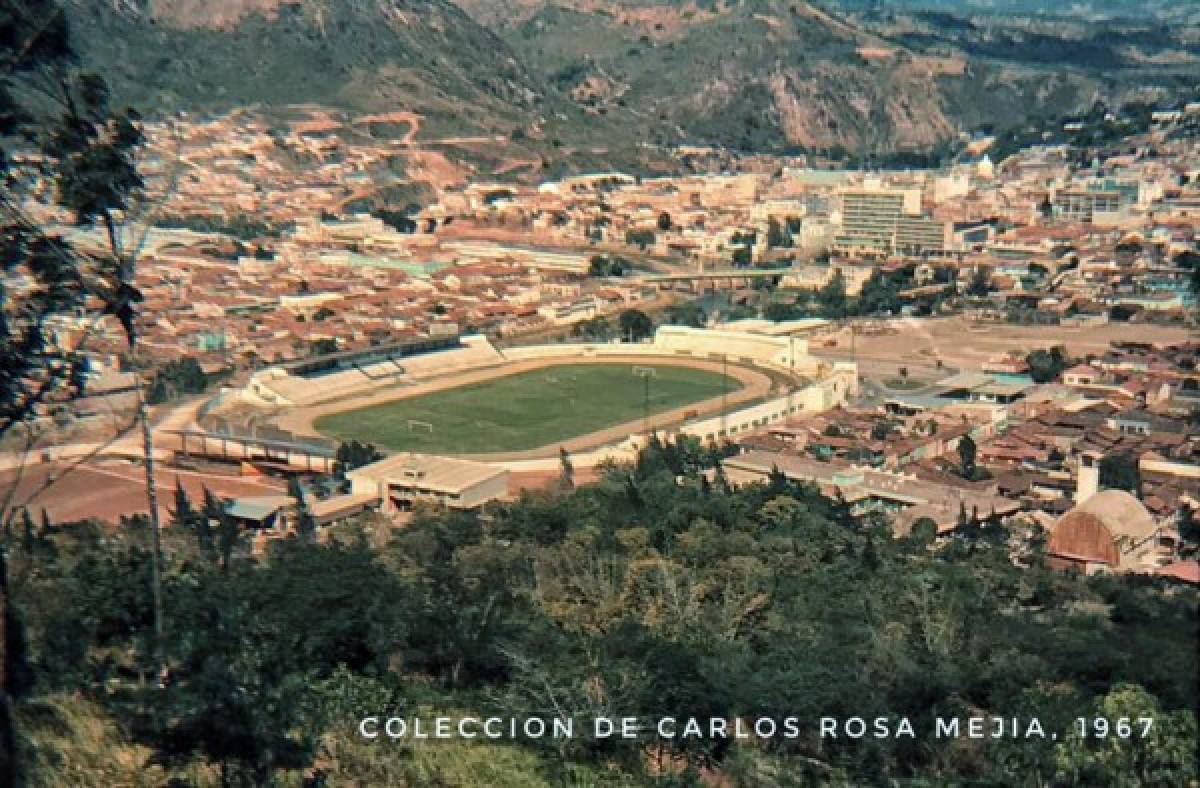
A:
[(645, 373)]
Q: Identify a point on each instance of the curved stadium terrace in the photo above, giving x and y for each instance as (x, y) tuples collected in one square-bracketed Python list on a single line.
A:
[(471, 398)]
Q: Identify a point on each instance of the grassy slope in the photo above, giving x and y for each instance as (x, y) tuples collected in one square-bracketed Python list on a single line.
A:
[(67, 741), (348, 53), (524, 411)]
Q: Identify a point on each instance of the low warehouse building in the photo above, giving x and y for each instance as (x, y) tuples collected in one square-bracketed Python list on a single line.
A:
[(403, 480)]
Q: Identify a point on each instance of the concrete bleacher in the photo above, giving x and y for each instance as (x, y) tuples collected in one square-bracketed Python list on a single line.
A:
[(736, 346), (382, 371), (276, 386), (681, 341), (476, 352), (303, 391)]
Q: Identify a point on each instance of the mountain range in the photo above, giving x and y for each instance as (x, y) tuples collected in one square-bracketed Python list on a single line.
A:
[(761, 75)]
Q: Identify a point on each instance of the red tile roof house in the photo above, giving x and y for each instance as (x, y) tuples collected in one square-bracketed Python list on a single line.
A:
[(1083, 375)]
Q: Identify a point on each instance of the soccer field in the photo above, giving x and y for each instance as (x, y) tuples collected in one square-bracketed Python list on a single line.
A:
[(524, 411)]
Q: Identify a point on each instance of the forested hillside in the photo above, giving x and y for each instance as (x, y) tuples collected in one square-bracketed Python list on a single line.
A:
[(654, 592)]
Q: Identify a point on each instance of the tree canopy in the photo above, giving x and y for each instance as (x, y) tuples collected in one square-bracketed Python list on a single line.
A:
[(656, 591), (635, 325)]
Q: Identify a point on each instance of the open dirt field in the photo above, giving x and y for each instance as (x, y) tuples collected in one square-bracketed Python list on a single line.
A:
[(964, 344), (109, 489)]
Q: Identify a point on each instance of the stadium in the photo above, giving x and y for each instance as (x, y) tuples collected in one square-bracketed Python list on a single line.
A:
[(464, 396)]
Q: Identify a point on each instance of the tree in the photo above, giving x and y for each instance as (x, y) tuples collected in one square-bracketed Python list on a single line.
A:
[(566, 477), (880, 294), (323, 347), (981, 282), (832, 297), (602, 265), (1120, 471), (1046, 365), (306, 523), (664, 221), (222, 539), (690, 313), (966, 456), (88, 157), (1166, 756), (594, 329), (635, 325), (778, 311), (88, 153), (353, 454), (640, 238), (777, 237), (1188, 258), (1189, 525), (182, 377)]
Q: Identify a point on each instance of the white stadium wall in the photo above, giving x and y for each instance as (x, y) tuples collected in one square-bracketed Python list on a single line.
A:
[(274, 386)]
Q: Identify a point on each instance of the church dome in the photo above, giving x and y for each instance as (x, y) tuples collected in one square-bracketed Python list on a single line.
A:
[(1102, 528), (1082, 536), (1121, 513)]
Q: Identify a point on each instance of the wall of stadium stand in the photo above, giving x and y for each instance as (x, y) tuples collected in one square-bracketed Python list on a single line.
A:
[(834, 389)]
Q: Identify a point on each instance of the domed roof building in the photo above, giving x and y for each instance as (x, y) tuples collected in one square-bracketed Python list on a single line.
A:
[(1110, 531)]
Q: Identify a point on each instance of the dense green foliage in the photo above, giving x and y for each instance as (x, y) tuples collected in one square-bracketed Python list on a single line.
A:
[(180, 378), (87, 162), (1120, 471), (635, 325), (639, 238), (606, 265), (652, 592), (353, 454), (883, 293), (239, 226), (1046, 365), (687, 313)]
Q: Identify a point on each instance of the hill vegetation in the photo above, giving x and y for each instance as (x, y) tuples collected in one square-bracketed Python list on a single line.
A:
[(829, 77), (179, 56), (594, 81), (654, 592)]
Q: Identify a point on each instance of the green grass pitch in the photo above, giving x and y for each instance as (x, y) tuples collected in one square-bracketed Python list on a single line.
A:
[(526, 410)]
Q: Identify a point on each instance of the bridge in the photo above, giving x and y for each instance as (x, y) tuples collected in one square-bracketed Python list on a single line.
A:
[(717, 273)]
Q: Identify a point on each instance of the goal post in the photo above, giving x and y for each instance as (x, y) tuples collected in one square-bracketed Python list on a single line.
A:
[(645, 372), (415, 425)]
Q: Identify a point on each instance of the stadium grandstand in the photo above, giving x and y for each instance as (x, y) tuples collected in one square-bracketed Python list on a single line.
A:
[(350, 373)]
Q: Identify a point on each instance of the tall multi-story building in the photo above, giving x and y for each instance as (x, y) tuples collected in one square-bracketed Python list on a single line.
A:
[(882, 221), (1082, 205), (919, 235)]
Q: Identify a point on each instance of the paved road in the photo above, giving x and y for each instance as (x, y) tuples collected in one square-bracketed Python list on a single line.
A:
[(127, 445)]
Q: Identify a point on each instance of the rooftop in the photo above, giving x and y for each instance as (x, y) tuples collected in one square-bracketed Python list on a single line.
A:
[(442, 474)]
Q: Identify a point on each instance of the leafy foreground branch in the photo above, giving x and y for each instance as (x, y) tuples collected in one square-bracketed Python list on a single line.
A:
[(657, 591)]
